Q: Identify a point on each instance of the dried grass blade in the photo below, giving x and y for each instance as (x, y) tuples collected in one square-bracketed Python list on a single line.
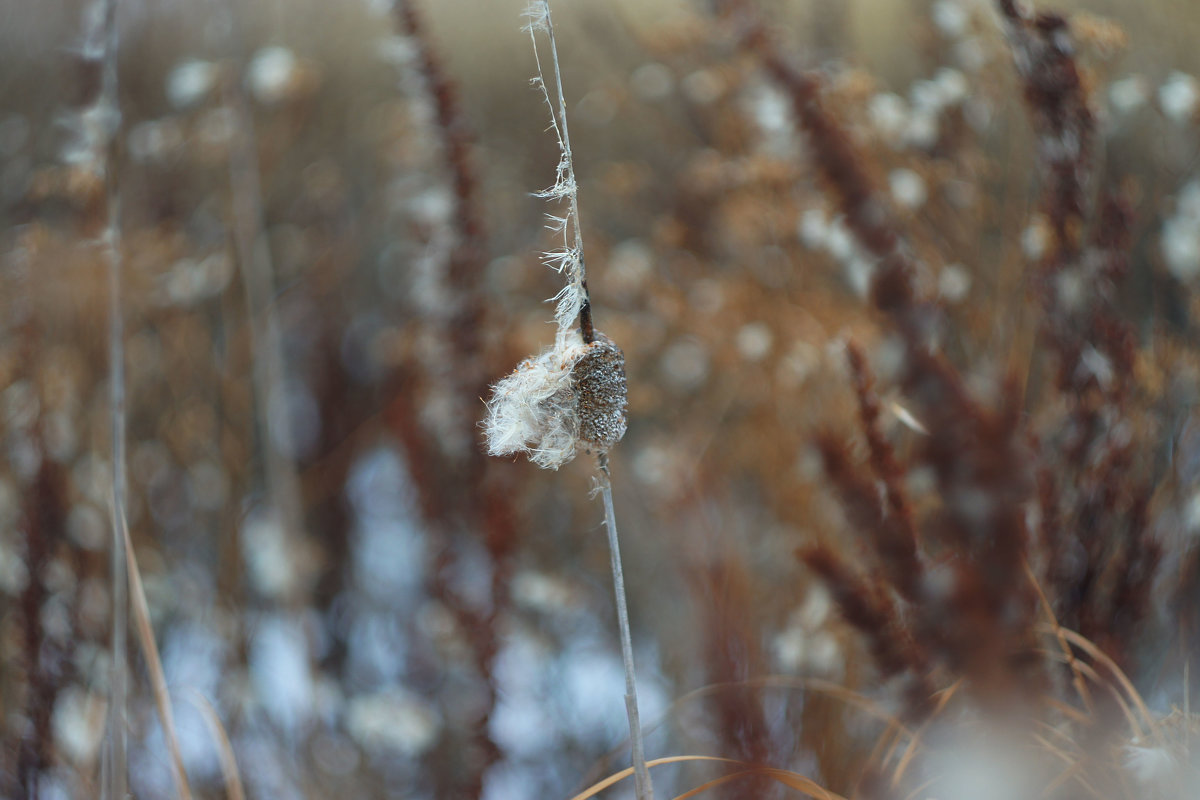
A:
[(1135, 697), (617, 777), (797, 781), (788, 778), (915, 741), (1067, 774), (823, 687), (715, 782), (162, 700), (1072, 771), (1077, 679), (1087, 671), (229, 767), (1067, 710)]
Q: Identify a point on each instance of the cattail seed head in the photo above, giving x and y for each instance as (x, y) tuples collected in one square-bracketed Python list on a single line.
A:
[(575, 392), (598, 381), (571, 394)]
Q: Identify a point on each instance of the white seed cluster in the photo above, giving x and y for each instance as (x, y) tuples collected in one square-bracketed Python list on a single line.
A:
[(571, 394)]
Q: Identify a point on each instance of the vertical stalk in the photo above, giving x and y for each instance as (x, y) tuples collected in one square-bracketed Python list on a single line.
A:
[(118, 680), (269, 372), (644, 788), (116, 783)]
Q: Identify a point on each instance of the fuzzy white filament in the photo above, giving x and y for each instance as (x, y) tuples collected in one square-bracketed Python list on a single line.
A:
[(534, 410), (568, 260)]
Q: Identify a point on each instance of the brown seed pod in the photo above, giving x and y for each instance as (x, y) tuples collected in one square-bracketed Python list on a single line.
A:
[(598, 381)]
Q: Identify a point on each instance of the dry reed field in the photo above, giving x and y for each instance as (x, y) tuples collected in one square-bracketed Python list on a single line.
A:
[(335, 356)]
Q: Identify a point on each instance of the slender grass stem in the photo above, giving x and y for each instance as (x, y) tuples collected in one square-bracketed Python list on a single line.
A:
[(269, 373), (644, 788), (158, 680), (115, 776), (118, 678)]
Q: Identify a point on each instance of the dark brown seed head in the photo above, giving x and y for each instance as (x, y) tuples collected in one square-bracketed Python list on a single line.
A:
[(598, 379)]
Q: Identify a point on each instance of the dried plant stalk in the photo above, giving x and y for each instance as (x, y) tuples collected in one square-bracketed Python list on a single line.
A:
[(162, 699), (645, 789), (116, 776), (266, 331), (575, 392), (229, 768)]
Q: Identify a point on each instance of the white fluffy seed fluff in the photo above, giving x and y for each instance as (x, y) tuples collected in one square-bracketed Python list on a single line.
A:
[(571, 394), (533, 410)]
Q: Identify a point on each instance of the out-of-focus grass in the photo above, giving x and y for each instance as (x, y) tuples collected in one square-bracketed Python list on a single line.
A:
[(731, 325)]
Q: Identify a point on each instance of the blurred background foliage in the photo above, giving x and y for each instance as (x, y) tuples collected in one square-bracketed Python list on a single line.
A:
[(374, 609)]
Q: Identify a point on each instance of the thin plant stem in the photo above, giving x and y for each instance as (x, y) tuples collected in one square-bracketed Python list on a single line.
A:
[(644, 788), (229, 767), (118, 678), (116, 776), (565, 186), (269, 373), (158, 680)]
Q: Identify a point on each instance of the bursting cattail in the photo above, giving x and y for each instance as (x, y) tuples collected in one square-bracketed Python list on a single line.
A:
[(575, 392), (598, 383), (572, 394)]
